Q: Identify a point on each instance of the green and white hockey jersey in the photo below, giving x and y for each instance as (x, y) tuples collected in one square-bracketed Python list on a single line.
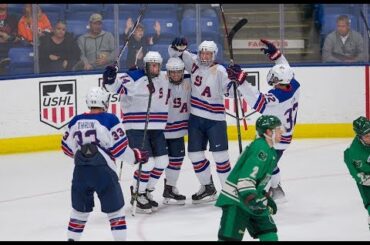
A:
[(357, 159), (250, 175)]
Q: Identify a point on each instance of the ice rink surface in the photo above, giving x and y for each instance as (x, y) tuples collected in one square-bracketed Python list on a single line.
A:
[(323, 202)]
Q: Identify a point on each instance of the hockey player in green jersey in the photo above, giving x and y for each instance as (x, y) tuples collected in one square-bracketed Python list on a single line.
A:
[(357, 159), (245, 203)]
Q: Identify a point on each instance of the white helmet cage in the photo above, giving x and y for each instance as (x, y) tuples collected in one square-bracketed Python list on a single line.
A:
[(210, 46), (97, 97), (280, 74), (175, 64)]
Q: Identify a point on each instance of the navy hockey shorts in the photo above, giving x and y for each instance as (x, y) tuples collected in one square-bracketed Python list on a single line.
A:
[(176, 147), (155, 142), (100, 179), (202, 130)]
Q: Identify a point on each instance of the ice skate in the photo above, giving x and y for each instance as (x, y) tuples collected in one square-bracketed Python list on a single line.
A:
[(206, 193), (171, 195), (277, 193), (142, 205), (149, 197)]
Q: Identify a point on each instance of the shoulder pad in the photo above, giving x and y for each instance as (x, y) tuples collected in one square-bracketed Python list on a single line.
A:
[(136, 74)]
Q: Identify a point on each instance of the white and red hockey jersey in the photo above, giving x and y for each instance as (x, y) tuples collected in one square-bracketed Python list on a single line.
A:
[(280, 103), (134, 97), (103, 129), (178, 108), (208, 89)]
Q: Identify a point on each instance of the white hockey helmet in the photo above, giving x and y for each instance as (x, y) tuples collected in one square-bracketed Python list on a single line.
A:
[(280, 74), (175, 64), (154, 57), (210, 46), (97, 97)]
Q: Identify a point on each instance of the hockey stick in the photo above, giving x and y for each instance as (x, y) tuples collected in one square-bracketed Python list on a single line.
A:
[(241, 118), (143, 143), (139, 18), (120, 171), (366, 24), (230, 35)]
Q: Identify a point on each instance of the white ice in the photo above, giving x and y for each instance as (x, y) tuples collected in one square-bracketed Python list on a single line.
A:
[(323, 202)]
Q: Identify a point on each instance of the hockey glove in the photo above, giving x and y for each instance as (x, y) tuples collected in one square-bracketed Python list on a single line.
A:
[(179, 44), (110, 74), (270, 50), (235, 73), (256, 208), (271, 205), (151, 88), (141, 156)]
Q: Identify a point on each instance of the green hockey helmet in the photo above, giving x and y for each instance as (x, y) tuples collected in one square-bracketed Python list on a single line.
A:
[(265, 122), (361, 126)]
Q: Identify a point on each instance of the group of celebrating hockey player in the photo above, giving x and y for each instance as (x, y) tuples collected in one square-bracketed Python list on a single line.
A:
[(160, 108)]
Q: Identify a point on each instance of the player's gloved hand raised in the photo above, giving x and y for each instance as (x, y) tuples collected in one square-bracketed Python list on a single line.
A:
[(110, 74), (270, 50), (141, 156), (179, 44), (235, 73)]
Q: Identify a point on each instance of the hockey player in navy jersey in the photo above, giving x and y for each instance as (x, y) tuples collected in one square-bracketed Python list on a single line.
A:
[(134, 89), (281, 101), (207, 121), (179, 90), (94, 140)]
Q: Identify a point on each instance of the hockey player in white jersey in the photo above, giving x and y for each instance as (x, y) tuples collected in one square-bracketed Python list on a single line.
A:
[(179, 90), (281, 101), (134, 89), (94, 140), (207, 121)]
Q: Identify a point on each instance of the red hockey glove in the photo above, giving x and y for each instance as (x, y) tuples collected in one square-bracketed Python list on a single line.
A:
[(235, 73), (141, 156)]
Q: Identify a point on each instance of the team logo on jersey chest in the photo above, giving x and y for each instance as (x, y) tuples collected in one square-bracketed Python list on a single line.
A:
[(57, 102)]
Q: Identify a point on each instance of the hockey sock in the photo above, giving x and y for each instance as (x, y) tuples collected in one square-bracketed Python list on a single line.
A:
[(271, 236), (201, 167), (160, 164), (118, 225), (76, 224), (173, 170), (275, 178), (144, 176), (223, 166)]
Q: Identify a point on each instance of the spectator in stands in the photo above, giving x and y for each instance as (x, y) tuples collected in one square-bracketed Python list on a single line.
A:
[(59, 50), (25, 23), (8, 35), (139, 44), (97, 46), (344, 44)]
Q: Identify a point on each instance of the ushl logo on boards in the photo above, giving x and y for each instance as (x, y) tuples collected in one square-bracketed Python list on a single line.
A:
[(253, 79), (114, 105), (58, 102)]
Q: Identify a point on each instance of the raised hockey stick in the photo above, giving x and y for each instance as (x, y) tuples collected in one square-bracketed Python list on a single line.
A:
[(136, 194), (139, 18), (366, 23), (230, 35)]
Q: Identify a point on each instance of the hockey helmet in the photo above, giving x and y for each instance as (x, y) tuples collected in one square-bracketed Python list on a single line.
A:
[(209, 46), (361, 126), (97, 97), (280, 74), (175, 64), (265, 122)]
